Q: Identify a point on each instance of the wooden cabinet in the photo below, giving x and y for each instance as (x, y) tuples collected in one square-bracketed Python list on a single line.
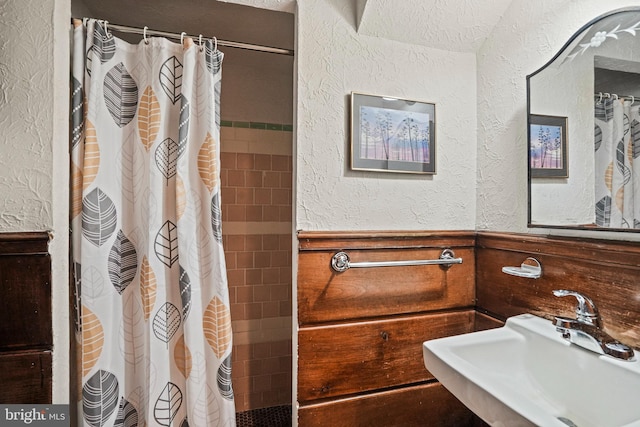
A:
[(25, 318), (361, 331)]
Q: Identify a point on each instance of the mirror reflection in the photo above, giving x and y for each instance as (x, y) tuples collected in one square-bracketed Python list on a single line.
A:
[(584, 129)]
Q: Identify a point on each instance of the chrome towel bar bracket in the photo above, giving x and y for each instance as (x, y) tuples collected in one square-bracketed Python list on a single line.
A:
[(340, 261)]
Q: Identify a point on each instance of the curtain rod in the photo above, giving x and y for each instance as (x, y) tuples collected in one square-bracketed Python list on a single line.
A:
[(176, 36), (607, 95)]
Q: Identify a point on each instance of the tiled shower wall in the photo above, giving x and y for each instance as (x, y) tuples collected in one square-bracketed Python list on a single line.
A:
[(256, 178)]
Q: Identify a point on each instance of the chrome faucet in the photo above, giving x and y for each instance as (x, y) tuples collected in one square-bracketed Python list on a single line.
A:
[(586, 329)]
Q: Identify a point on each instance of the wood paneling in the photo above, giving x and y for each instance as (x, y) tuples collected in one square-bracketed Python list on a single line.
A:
[(363, 356), (25, 377), (360, 339), (25, 306), (325, 295), (342, 240), (418, 406), (26, 337), (606, 271)]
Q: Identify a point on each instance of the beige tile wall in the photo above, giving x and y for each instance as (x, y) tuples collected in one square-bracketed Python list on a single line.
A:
[(256, 176)]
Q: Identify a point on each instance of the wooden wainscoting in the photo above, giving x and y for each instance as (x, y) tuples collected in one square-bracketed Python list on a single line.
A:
[(606, 271), (25, 318), (361, 331)]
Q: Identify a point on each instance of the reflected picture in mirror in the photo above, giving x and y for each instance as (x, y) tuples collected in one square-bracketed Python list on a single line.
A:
[(593, 83), (548, 146)]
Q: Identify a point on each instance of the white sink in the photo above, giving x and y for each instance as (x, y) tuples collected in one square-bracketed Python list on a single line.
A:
[(526, 374)]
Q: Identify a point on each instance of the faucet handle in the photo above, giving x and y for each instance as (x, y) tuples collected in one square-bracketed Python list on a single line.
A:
[(586, 311)]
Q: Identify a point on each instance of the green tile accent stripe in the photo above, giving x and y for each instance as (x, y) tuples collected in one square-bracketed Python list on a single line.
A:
[(256, 125)]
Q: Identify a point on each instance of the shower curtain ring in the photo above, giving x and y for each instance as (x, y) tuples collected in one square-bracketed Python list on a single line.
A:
[(182, 34), (215, 44), (144, 34), (632, 100), (106, 30), (200, 42)]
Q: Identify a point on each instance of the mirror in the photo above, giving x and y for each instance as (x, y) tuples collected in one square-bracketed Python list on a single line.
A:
[(584, 129)]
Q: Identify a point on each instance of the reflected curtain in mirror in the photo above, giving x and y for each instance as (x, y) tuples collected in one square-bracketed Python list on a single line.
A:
[(617, 163)]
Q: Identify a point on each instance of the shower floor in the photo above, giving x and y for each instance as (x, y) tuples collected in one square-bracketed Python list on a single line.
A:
[(275, 416)]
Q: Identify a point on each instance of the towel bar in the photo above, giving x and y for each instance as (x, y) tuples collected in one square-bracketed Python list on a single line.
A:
[(340, 261)]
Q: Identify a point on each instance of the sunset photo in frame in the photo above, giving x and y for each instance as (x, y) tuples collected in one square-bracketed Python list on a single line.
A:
[(548, 146), (392, 135)]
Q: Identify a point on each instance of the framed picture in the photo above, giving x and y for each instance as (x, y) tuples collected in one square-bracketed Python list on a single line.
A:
[(548, 146), (392, 135)]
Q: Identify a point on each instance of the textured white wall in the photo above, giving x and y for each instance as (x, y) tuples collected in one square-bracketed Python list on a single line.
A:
[(334, 60), (26, 114), (528, 35), (34, 97)]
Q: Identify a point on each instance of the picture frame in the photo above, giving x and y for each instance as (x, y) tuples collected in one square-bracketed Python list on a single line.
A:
[(392, 135), (548, 146)]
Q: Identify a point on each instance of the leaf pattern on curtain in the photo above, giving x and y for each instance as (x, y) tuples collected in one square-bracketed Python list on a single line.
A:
[(130, 169), (202, 250), (148, 118), (104, 45), (91, 156), (181, 198), (216, 97), (213, 57), (597, 137), (216, 323), (77, 112), (132, 337), (183, 126), (166, 156), (120, 95), (137, 398), (166, 322), (166, 243), (168, 404), (207, 407), (148, 287), (91, 52), (99, 217), (604, 110), (122, 262), (224, 379), (625, 125), (619, 199), (127, 415), (185, 292), (635, 139), (216, 217), (620, 162), (76, 190), (603, 212), (92, 340), (182, 357), (208, 163), (92, 282), (171, 78), (99, 397)]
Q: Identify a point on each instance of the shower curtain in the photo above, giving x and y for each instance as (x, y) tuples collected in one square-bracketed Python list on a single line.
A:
[(153, 325), (617, 163)]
